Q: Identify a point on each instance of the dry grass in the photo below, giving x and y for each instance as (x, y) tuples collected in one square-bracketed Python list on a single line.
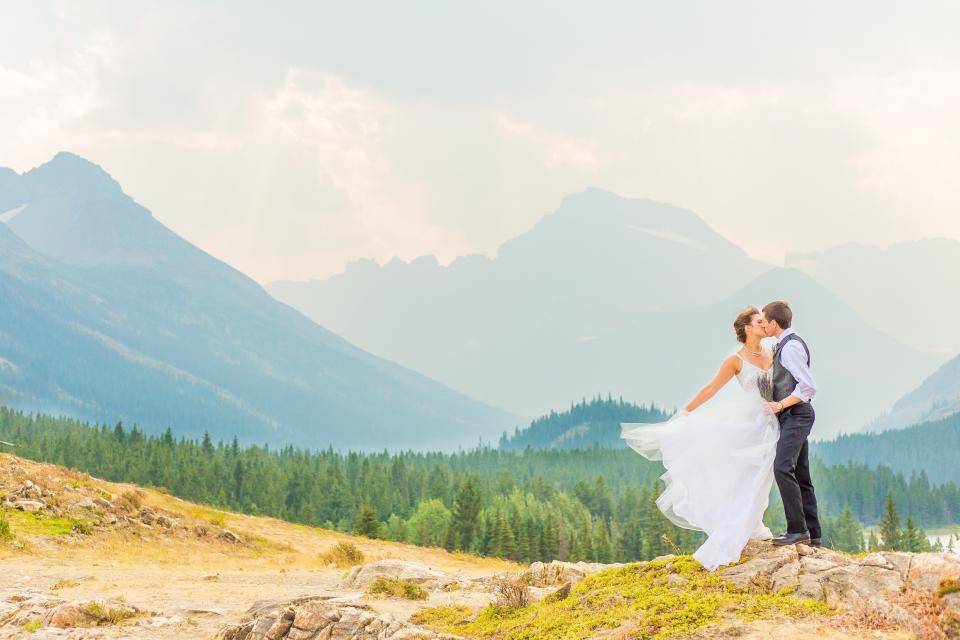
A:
[(342, 555), (397, 588)]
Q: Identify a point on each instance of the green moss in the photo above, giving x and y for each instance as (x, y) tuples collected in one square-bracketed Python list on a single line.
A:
[(31, 627), (397, 588), (445, 616), (35, 524), (657, 600)]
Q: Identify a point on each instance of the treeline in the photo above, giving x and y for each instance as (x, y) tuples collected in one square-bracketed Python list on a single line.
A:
[(931, 446), (590, 504), (534, 506)]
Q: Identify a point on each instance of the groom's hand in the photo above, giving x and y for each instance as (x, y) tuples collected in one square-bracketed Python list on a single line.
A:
[(773, 408)]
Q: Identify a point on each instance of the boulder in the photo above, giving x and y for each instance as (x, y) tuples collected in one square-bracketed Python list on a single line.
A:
[(558, 572), (229, 536), (30, 506), (102, 503), (362, 575)]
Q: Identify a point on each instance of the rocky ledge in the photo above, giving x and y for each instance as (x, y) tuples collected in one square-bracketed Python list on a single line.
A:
[(915, 593)]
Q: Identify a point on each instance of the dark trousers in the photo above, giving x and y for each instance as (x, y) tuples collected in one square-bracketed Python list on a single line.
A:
[(791, 468)]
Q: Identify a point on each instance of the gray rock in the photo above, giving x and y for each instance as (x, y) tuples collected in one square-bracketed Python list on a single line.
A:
[(30, 506), (558, 572), (102, 503), (362, 575), (229, 536)]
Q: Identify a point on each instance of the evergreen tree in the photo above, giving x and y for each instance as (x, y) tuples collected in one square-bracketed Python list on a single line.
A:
[(466, 512), (890, 526), (368, 525)]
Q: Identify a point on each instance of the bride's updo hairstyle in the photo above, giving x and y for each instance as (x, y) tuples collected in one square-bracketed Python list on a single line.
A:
[(743, 321)]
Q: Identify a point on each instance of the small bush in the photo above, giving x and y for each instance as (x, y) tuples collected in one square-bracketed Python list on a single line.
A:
[(130, 500), (397, 588), (343, 554), (82, 527), (511, 593), (104, 614), (6, 534), (949, 585)]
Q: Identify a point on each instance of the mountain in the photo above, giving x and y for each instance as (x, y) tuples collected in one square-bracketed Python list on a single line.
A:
[(585, 424), (901, 289), (108, 315), (937, 397), (929, 448), (500, 328), (607, 295)]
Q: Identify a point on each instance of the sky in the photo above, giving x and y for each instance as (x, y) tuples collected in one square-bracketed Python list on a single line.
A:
[(288, 139)]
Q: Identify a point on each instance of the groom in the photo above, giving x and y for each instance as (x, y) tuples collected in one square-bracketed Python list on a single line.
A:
[(793, 389)]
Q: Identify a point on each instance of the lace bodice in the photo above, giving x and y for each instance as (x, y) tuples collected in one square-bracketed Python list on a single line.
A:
[(755, 380)]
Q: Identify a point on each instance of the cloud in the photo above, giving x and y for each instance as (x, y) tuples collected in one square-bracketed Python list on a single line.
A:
[(559, 151), (913, 156), (344, 128)]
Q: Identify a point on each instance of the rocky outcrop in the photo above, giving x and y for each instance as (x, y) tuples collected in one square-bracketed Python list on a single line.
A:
[(362, 575), (883, 585), (322, 618), (46, 611)]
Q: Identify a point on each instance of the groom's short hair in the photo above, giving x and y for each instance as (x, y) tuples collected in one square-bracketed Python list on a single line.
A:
[(780, 311)]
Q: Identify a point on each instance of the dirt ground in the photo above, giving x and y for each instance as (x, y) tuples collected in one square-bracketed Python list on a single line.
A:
[(193, 586)]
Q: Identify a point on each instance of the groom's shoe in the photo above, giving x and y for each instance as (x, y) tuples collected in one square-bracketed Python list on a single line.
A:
[(792, 538), (815, 542)]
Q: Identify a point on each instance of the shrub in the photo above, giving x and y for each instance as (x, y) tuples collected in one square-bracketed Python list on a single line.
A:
[(397, 588), (343, 554), (511, 593), (130, 500)]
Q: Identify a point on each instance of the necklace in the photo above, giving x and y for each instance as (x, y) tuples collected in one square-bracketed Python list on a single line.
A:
[(753, 353)]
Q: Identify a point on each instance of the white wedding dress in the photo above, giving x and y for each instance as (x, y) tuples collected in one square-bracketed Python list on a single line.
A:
[(719, 466)]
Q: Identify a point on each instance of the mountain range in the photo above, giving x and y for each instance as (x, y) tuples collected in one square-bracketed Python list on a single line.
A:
[(938, 396), (108, 315), (607, 295)]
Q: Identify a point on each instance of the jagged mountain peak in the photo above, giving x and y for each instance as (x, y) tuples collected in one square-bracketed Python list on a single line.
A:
[(69, 172)]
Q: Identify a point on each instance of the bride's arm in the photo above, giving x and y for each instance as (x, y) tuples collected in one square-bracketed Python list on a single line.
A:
[(727, 370)]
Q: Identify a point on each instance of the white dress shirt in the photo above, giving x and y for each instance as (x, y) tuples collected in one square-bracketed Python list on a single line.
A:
[(793, 357)]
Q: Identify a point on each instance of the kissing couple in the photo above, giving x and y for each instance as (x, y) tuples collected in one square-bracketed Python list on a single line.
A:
[(721, 457)]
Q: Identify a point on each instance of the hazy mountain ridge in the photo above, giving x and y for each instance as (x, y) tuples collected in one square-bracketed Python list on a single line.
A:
[(938, 396), (170, 336), (487, 326), (606, 295)]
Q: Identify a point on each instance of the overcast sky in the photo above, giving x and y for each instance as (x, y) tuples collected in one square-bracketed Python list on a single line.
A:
[(288, 140)]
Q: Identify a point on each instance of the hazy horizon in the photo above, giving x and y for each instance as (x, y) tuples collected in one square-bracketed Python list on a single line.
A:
[(289, 141)]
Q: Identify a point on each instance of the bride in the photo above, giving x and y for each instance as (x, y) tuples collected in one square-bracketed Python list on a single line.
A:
[(719, 455)]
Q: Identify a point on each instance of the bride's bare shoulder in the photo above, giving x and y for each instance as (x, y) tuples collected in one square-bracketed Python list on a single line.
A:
[(733, 362)]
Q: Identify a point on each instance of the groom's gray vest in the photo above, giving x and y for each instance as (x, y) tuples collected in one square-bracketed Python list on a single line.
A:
[(783, 381)]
